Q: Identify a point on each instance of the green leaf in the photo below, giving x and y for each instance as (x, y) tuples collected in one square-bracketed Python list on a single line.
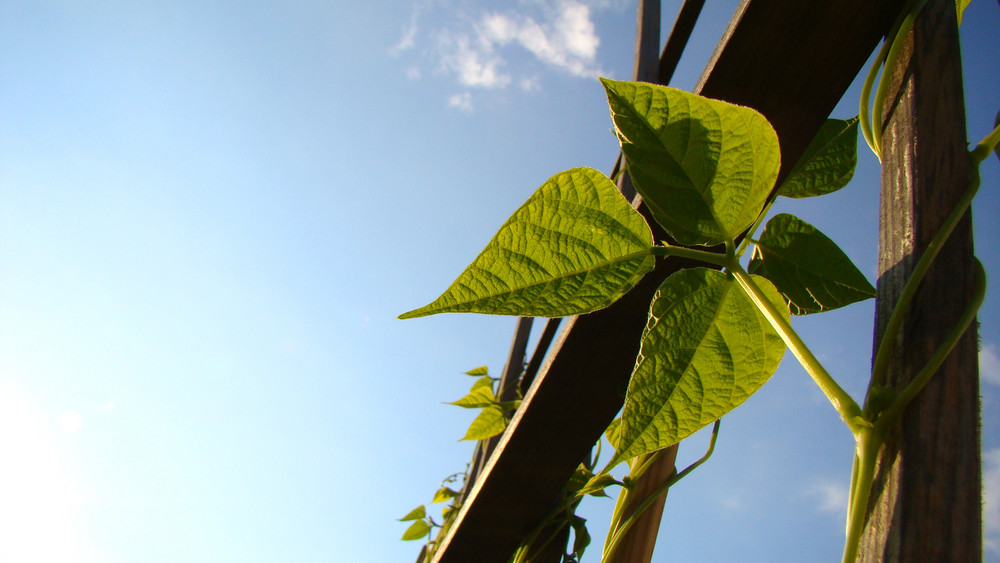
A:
[(481, 370), (479, 397), (581, 537), (418, 512), (418, 530), (810, 270), (579, 478), (961, 5), (444, 494), (705, 349), (612, 432), (574, 247), (828, 162), (485, 381), (596, 485), (704, 167), (489, 423)]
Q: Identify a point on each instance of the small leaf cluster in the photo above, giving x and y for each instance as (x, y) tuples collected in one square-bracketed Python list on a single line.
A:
[(493, 418), (422, 524)]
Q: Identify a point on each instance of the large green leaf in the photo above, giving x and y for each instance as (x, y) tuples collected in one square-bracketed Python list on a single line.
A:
[(705, 349), (809, 269), (574, 247), (828, 162), (704, 167), (489, 423)]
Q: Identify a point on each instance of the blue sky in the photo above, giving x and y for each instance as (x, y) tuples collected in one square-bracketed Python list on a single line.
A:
[(212, 212)]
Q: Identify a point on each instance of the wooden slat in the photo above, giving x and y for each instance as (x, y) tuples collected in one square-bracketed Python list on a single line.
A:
[(791, 60), (927, 497)]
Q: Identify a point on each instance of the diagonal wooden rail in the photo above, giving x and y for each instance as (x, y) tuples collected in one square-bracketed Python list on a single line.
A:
[(792, 61)]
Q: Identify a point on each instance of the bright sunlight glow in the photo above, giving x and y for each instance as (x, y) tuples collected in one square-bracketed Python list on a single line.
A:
[(37, 497)]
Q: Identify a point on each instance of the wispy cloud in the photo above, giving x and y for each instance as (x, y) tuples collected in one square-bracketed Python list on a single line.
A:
[(491, 50), (830, 496), (461, 101), (408, 39), (991, 500)]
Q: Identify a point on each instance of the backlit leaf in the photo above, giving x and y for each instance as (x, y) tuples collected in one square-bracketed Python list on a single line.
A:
[(828, 162), (418, 512), (574, 247), (809, 269), (705, 349), (418, 530), (480, 396), (704, 167), (489, 423), (481, 370), (444, 494)]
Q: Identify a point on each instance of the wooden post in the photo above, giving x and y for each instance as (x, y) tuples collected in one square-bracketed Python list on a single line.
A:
[(926, 499)]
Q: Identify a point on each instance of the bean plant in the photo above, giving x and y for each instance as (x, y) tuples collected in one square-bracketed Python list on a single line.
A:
[(706, 170)]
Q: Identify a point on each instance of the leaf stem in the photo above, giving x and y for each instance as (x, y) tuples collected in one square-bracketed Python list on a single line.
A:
[(900, 402), (682, 252), (620, 529), (986, 146), (848, 409), (866, 453)]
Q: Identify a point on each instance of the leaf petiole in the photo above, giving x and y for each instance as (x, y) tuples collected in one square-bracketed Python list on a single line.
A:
[(848, 409), (682, 252)]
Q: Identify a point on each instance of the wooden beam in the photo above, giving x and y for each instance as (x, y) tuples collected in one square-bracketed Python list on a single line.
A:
[(926, 499), (789, 59)]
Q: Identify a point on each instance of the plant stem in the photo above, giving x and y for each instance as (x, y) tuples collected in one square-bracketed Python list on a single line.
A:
[(866, 454), (985, 147), (619, 529), (848, 409), (680, 251), (899, 403), (883, 355)]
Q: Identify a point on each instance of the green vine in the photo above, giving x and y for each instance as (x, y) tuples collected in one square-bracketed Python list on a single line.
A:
[(705, 169)]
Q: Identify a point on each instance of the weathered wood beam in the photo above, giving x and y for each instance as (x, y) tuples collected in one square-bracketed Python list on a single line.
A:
[(789, 59), (926, 500)]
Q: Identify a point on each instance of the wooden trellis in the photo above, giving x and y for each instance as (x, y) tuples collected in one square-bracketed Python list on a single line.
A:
[(792, 60)]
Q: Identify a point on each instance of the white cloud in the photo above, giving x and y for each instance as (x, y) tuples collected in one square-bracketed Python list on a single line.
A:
[(989, 364), (461, 101), (475, 45), (991, 500), (475, 65), (568, 42), (831, 497)]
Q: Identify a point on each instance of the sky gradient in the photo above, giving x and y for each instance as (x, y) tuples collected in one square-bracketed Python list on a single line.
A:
[(212, 212)]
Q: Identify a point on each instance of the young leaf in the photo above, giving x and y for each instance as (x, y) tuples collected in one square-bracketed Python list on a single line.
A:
[(489, 423), (478, 398), (581, 537), (484, 381), (705, 349), (828, 162), (418, 512), (810, 270), (481, 370), (444, 494), (417, 530), (596, 485), (574, 247), (704, 167)]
